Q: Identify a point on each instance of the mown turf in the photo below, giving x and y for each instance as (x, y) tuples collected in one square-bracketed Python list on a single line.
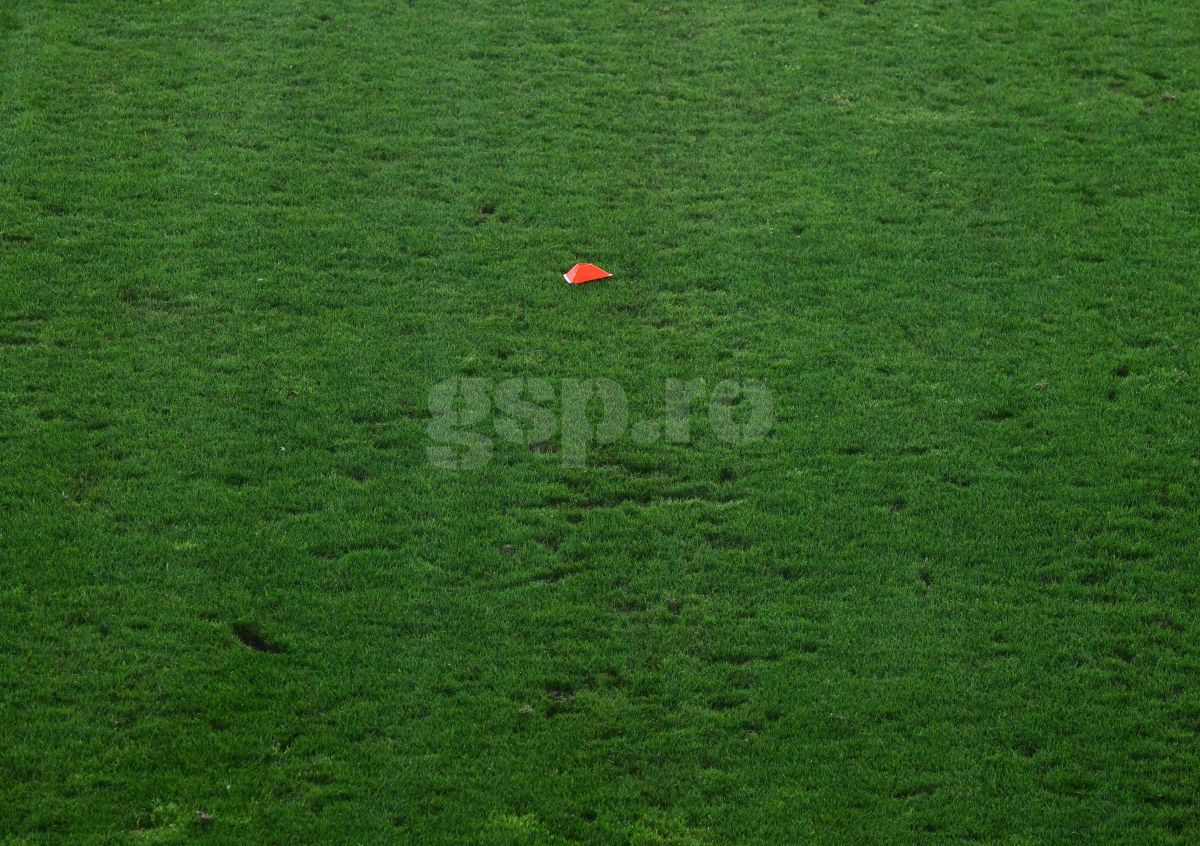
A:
[(951, 597)]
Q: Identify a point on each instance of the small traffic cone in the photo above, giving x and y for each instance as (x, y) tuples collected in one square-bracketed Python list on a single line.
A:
[(581, 273)]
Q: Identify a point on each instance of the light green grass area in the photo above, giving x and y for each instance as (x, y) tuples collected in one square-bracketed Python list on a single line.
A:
[(951, 597)]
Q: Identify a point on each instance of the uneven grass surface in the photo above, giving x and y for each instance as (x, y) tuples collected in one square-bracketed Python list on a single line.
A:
[(951, 597)]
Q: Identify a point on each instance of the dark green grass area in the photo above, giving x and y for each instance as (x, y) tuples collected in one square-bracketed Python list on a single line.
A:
[(950, 598)]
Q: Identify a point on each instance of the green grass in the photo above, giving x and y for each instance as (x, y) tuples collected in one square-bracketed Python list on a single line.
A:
[(951, 597)]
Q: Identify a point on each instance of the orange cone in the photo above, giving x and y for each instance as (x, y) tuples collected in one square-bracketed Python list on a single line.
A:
[(581, 273)]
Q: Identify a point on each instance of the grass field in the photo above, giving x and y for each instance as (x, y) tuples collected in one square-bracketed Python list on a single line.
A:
[(950, 596)]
